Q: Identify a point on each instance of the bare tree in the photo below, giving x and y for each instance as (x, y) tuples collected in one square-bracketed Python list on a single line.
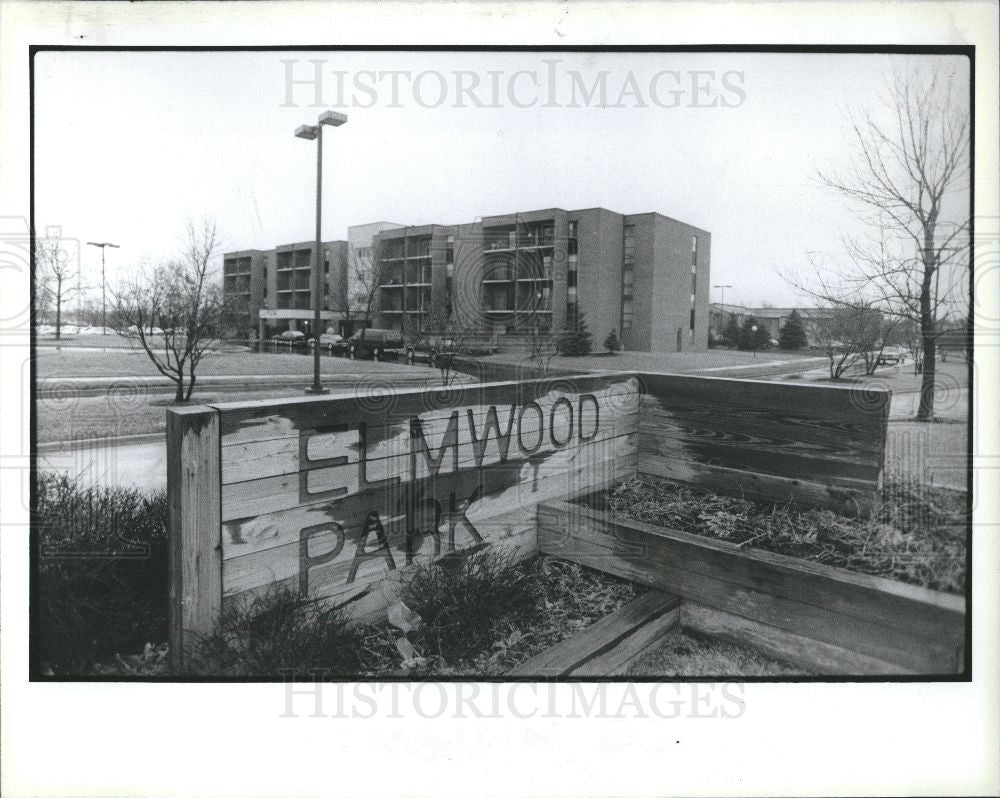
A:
[(448, 339), (55, 270), (837, 334), (365, 278), (910, 180), (175, 311), (543, 346)]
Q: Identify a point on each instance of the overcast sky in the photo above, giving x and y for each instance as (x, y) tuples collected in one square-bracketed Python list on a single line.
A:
[(130, 145)]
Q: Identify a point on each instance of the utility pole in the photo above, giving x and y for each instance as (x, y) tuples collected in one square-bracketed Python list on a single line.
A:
[(104, 285)]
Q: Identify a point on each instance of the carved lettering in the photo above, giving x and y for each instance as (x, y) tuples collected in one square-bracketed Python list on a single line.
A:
[(492, 422), (418, 443), (306, 561), (562, 401), (372, 524)]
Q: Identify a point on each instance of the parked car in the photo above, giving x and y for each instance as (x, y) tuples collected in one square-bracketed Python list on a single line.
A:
[(375, 344), (892, 355), (334, 343), (290, 338)]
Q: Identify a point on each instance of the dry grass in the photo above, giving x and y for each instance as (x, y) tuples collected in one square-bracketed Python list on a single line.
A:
[(918, 537), (682, 655)]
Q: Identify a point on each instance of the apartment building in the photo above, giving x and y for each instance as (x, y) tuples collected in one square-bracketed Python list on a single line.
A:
[(646, 276), (270, 291)]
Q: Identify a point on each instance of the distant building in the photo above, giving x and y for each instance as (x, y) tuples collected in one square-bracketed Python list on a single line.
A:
[(771, 319), (646, 276)]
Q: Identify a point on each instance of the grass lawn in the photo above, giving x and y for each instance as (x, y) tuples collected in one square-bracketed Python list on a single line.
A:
[(86, 417), (53, 363), (682, 654)]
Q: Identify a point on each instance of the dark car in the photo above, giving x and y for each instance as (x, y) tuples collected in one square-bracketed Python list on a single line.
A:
[(375, 344)]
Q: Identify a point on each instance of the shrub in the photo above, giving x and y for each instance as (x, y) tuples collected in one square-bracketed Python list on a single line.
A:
[(277, 634), (102, 573), (611, 343), (731, 332), (463, 601), (577, 340)]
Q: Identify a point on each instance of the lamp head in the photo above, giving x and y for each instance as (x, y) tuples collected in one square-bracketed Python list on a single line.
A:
[(332, 118), (307, 132)]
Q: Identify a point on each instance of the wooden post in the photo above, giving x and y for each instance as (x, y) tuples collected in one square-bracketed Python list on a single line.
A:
[(194, 479)]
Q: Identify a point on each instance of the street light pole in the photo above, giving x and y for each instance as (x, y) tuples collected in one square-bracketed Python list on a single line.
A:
[(104, 285), (723, 302), (311, 132), (753, 329)]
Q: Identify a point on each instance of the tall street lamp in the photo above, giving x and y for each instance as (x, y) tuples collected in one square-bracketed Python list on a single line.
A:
[(104, 285), (753, 329), (312, 132)]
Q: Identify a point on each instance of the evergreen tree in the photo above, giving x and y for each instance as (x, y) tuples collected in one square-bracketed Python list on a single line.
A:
[(731, 333), (753, 340), (792, 334), (577, 339), (611, 343)]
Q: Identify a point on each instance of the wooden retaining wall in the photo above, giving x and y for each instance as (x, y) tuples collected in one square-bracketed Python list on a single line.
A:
[(332, 496), (822, 446), (826, 619)]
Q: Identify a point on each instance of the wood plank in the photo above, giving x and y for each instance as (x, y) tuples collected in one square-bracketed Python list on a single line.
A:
[(194, 524), (270, 548), (824, 445), (273, 494), (846, 496), (616, 661), (598, 638), (856, 434), (908, 626), (243, 422), (478, 438), (767, 455), (832, 402), (814, 655), (910, 607)]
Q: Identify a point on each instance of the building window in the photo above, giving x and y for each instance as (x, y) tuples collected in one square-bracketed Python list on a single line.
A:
[(628, 280), (694, 250), (694, 284), (572, 229), (449, 252), (627, 312), (571, 279), (691, 327)]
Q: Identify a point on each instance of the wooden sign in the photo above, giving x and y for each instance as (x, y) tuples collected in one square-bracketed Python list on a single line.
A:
[(334, 497)]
